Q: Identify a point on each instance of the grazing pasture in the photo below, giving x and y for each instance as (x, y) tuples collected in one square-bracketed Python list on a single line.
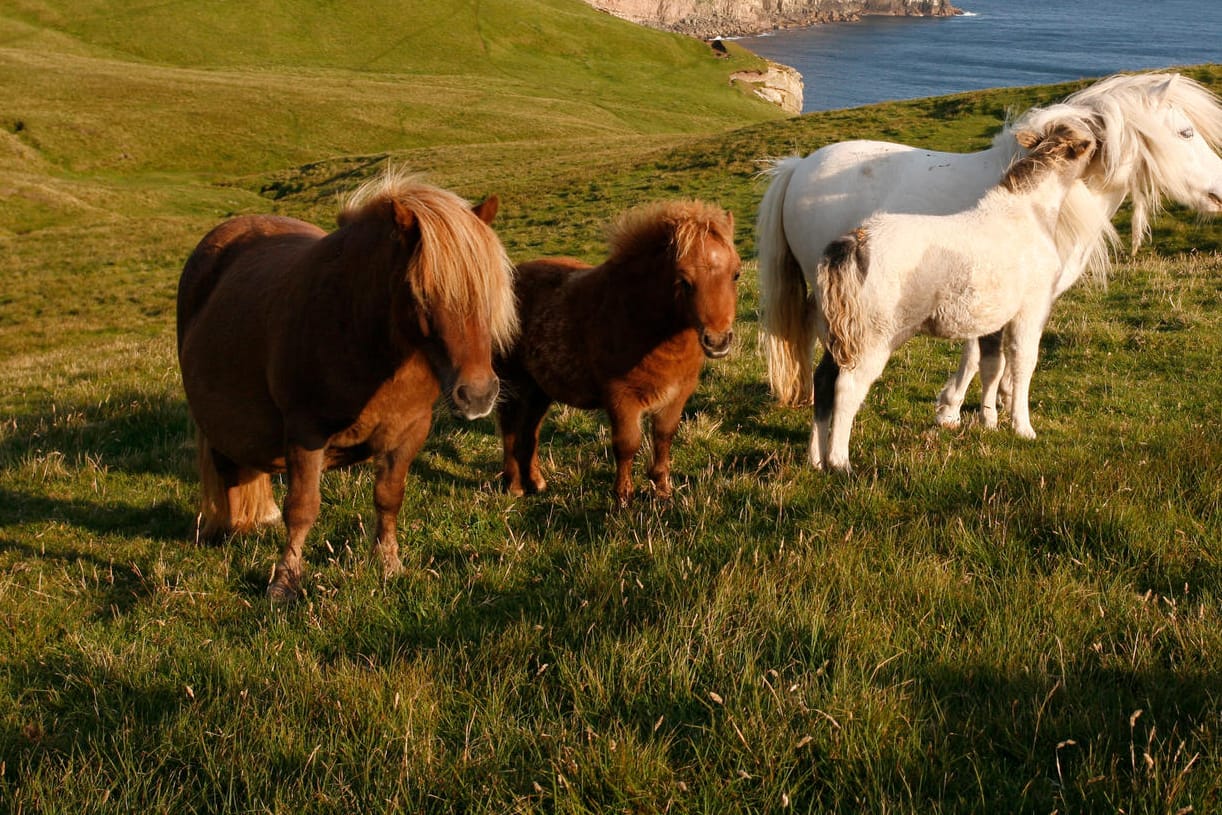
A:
[(971, 623)]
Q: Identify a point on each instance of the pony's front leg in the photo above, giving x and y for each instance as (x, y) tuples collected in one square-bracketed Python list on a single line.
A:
[(824, 383), (388, 495), (950, 400), (665, 425), (852, 385), (992, 366), (301, 503), (1022, 346), (625, 441)]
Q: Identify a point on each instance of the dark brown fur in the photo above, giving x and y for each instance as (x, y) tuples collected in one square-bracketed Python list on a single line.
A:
[(301, 351), (628, 336)]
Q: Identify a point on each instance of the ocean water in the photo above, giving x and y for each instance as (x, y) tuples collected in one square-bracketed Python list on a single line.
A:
[(997, 43)]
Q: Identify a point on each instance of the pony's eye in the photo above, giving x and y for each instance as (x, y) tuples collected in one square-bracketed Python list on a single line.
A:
[(1187, 133), (737, 274)]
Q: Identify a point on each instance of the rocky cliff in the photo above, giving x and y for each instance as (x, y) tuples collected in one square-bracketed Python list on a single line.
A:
[(725, 18), (778, 84)]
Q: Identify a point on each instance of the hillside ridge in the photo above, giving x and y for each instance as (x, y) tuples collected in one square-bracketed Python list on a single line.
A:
[(726, 18)]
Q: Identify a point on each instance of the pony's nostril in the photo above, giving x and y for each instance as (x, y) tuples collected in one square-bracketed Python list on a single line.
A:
[(716, 344), (475, 399)]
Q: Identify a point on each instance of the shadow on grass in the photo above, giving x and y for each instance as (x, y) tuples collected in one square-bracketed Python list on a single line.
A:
[(1064, 732), (136, 433), (160, 521), (120, 586)]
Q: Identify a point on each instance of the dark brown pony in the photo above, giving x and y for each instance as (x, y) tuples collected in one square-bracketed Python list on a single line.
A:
[(628, 336), (302, 351)]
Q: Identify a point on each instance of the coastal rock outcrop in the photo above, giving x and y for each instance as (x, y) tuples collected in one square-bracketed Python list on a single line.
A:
[(726, 18), (779, 84)]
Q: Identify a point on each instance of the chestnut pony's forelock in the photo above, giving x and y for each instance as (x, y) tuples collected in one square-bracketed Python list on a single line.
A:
[(681, 224), (459, 264)]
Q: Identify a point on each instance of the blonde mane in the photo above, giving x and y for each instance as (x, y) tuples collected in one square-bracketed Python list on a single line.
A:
[(1135, 140), (681, 225), (1132, 148), (459, 264)]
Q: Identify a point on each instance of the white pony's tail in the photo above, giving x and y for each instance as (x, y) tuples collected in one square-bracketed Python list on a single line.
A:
[(839, 280), (786, 324)]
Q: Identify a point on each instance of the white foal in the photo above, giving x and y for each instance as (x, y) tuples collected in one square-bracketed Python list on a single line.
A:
[(994, 266)]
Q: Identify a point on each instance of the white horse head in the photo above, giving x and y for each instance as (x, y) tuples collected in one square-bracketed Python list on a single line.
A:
[(1159, 134)]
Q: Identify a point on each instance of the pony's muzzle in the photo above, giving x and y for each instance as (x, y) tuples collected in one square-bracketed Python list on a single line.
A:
[(472, 400), (716, 344)]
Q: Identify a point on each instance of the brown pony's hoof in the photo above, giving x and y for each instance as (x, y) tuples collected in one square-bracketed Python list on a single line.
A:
[(284, 589), (518, 489), (392, 564), (662, 489), (511, 485)]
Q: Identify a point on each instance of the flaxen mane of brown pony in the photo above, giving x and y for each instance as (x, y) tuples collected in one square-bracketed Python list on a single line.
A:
[(302, 350), (628, 336)]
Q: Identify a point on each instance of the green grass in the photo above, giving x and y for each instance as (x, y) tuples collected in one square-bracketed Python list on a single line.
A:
[(971, 624)]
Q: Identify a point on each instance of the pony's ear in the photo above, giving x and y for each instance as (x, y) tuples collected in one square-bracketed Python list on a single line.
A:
[(1079, 146), (1028, 138), (486, 211), (729, 222), (405, 219), (1071, 141), (1162, 91)]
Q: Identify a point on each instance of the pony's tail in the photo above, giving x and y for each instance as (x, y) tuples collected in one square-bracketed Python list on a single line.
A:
[(786, 320), (839, 279), (228, 510)]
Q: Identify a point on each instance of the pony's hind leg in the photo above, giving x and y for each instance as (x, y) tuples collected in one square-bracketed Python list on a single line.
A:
[(521, 419), (992, 366), (950, 400), (234, 499), (852, 385), (824, 382)]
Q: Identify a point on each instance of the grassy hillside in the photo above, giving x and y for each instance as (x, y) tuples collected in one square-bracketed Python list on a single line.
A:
[(228, 87), (972, 624), (125, 131)]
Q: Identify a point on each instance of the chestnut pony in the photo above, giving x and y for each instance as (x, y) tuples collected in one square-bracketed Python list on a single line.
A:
[(628, 336), (301, 351)]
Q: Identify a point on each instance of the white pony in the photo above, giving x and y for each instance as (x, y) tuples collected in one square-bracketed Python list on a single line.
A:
[(1157, 135), (994, 266)]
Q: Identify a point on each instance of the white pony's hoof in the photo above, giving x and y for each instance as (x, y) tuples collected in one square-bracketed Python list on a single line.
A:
[(947, 416), (1027, 432), (988, 418)]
